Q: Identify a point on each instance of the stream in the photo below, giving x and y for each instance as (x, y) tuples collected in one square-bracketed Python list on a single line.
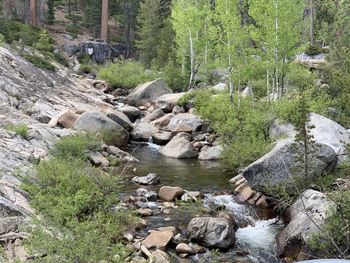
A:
[(255, 237)]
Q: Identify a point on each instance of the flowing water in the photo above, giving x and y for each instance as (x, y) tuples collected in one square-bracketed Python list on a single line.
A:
[(257, 238)]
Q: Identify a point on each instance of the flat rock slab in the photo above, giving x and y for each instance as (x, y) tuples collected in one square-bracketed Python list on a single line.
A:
[(158, 239)]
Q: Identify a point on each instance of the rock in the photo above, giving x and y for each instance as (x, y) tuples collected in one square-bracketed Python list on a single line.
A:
[(146, 93), (120, 118), (184, 135), (185, 122), (144, 212), (275, 167), (307, 215), (179, 148), (128, 236), (160, 256), (100, 52), (191, 196), (70, 49), (168, 101), (183, 248), (143, 131), (220, 87), (162, 122), (178, 109), (197, 249), (68, 119), (212, 232), (95, 122), (158, 239), (210, 153), (98, 159), (150, 179), (312, 62), (156, 114), (162, 138), (168, 193), (247, 92), (280, 130), (131, 112)]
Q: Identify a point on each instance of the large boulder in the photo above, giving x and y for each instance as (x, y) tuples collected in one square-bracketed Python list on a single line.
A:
[(212, 232), (156, 114), (120, 118), (210, 153), (283, 161), (179, 148), (143, 131), (162, 138), (131, 112), (185, 122), (96, 122), (307, 216), (163, 122), (169, 193), (281, 130), (146, 93), (168, 101)]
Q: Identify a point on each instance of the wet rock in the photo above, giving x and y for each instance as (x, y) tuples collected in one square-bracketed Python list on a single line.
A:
[(210, 153), (212, 232), (143, 131), (179, 148), (120, 118), (95, 122), (183, 248), (158, 239), (162, 138), (156, 114), (307, 215), (144, 94), (163, 122), (185, 122), (168, 193), (150, 179), (68, 119), (168, 101), (131, 112), (144, 212)]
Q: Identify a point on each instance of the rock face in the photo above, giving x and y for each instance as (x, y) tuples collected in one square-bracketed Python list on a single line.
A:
[(307, 214), (179, 148), (185, 122), (169, 193), (212, 232), (146, 93), (120, 118), (143, 131), (149, 179), (210, 153), (168, 101), (95, 122), (276, 166)]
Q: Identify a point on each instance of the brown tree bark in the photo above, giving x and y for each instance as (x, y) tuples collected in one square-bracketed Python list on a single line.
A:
[(104, 21), (33, 12)]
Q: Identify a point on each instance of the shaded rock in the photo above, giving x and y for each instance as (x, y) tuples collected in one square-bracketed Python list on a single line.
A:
[(162, 122), (95, 122), (179, 148), (280, 130), (178, 109), (162, 138), (210, 153), (143, 131), (160, 256), (212, 232), (307, 215), (144, 94), (150, 179), (156, 114), (185, 122), (120, 118), (183, 248), (158, 239), (168, 101), (68, 119), (169, 193), (131, 112)]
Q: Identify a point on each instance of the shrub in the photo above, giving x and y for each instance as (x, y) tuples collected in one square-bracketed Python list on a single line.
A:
[(2, 39), (85, 68), (111, 137), (186, 211), (173, 76), (313, 50), (39, 62), (21, 129), (61, 59), (128, 74)]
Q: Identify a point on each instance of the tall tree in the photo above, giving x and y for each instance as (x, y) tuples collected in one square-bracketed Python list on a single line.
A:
[(32, 8), (104, 20)]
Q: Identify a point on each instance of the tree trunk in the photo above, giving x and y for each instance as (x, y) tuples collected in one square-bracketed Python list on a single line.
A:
[(193, 61), (69, 7), (312, 23), (104, 21), (33, 12)]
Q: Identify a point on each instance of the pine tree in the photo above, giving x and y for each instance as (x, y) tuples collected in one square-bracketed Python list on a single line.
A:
[(32, 8), (104, 20)]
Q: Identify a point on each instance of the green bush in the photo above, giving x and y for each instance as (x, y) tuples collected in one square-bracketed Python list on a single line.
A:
[(128, 74), (111, 137), (313, 50), (21, 129), (14, 31), (39, 62), (173, 76), (85, 68)]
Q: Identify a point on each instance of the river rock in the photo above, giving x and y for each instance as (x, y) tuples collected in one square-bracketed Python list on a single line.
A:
[(146, 93), (276, 166), (184, 135), (150, 179), (160, 256), (156, 114), (210, 153), (163, 122), (143, 131), (177, 109), (168, 101), (183, 248), (144, 212), (158, 239), (162, 138), (185, 122), (212, 232), (95, 122), (68, 119), (120, 118), (179, 148), (131, 112), (169, 193), (189, 196), (307, 215)]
